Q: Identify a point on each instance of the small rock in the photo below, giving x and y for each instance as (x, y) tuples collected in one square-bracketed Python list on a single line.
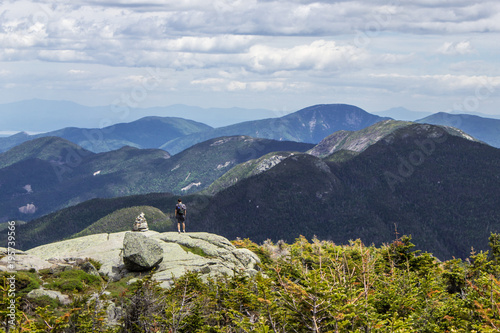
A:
[(113, 314), (58, 268), (36, 293), (88, 268)]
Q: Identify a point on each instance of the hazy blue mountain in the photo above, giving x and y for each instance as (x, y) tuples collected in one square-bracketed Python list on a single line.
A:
[(484, 129), (50, 173), (39, 115), (310, 125), (480, 114), (215, 117), (401, 113), (147, 132)]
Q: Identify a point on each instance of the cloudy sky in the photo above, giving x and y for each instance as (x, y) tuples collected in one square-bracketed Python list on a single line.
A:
[(428, 55)]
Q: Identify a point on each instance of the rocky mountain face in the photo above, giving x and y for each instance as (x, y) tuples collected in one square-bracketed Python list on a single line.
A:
[(484, 129), (356, 141)]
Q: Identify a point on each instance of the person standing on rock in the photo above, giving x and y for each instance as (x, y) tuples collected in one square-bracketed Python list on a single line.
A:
[(180, 215)]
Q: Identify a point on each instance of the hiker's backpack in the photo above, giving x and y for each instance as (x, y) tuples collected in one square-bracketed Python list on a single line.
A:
[(181, 209)]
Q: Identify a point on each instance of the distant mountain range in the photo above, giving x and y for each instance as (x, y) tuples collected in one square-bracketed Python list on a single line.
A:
[(148, 132), (401, 113), (38, 115), (174, 135), (309, 125)]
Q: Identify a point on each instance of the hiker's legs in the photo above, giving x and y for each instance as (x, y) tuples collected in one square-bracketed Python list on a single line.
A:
[(179, 226), (183, 226)]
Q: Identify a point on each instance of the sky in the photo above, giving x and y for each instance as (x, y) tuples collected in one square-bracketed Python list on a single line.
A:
[(425, 55)]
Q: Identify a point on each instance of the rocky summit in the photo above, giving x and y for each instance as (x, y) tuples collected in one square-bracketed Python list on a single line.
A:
[(206, 253)]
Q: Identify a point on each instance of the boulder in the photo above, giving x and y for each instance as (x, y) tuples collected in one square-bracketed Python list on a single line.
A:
[(36, 293), (141, 253)]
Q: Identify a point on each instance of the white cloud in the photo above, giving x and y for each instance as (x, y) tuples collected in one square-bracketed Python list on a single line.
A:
[(215, 44), (456, 48), (439, 84), (63, 55), (77, 72), (319, 55)]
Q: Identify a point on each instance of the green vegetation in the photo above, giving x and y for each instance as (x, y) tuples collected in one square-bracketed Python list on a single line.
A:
[(24, 281), (74, 280), (341, 156), (194, 250), (306, 286)]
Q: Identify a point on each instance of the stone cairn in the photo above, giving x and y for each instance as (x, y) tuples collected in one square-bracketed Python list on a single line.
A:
[(140, 223)]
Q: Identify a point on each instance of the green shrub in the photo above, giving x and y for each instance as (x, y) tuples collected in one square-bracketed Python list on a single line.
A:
[(25, 281), (44, 301), (195, 250), (94, 263), (74, 279)]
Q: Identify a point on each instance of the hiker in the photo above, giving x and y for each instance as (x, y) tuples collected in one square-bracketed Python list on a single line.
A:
[(180, 215)]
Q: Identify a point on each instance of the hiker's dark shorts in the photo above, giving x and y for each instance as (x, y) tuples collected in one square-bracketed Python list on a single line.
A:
[(180, 218)]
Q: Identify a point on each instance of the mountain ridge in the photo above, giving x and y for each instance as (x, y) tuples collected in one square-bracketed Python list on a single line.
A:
[(484, 129), (308, 125), (147, 132)]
